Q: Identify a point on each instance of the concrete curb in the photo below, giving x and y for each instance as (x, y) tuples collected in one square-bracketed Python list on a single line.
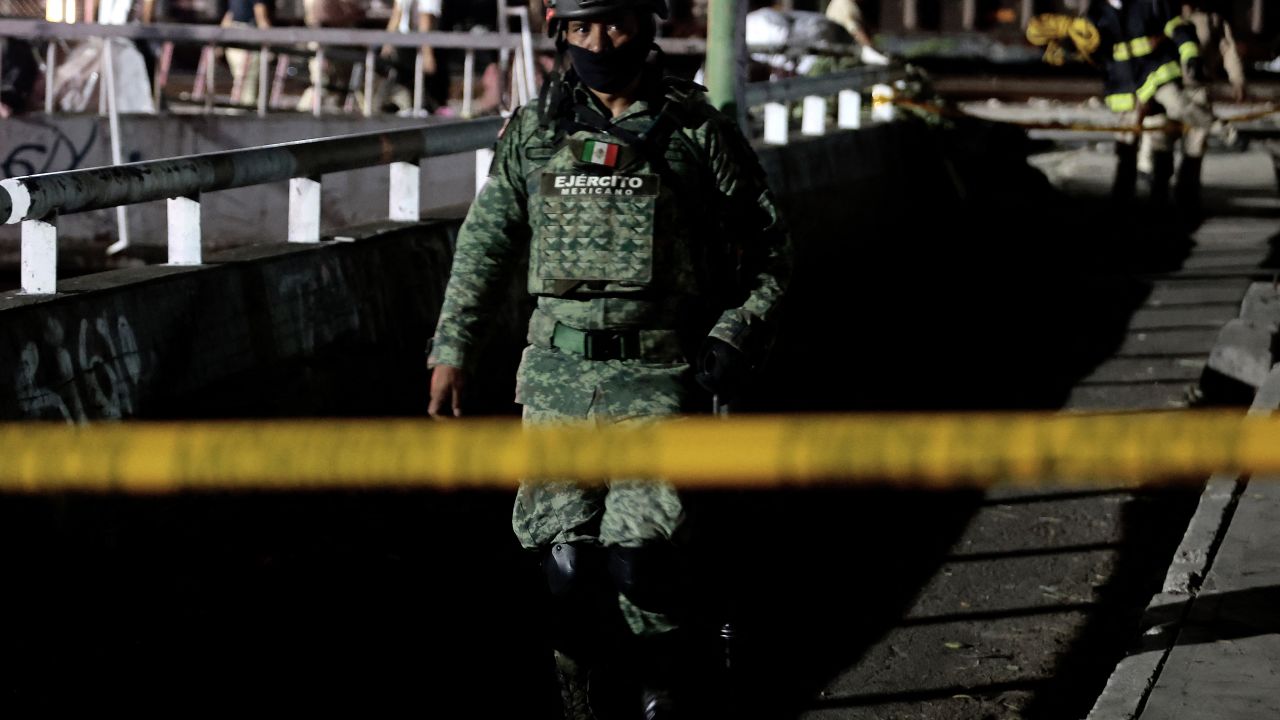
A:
[(1131, 683)]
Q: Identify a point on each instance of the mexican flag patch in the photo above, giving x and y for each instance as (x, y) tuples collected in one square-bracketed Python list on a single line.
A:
[(600, 153)]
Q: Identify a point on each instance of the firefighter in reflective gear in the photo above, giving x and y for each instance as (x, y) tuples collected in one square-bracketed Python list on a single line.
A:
[(658, 260), (1146, 49)]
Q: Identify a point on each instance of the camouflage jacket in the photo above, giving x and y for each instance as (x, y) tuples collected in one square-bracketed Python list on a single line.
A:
[(732, 256)]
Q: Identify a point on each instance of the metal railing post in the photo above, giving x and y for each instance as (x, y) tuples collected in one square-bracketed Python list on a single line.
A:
[(775, 123), (184, 231), (468, 82), (39, 257), (526, 48), (370, 58), (210, 77), (406, 178), (163, 66), (102, 76), (277, 83), (50, 66), (813, 121), (304, 210), (484, 159), (264, 69), (419, 89), (317, 83), (849, 112), (117, 157)]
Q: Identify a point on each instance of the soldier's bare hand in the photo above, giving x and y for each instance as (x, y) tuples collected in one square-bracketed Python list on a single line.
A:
[(446, 391)]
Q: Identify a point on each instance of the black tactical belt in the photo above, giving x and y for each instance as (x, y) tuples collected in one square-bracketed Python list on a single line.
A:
[(598, 344)]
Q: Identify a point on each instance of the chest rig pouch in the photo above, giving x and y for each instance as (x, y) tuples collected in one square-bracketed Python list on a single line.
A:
[(593, 219)]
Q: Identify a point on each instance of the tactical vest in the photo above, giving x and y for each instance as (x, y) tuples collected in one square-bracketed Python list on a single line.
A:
[(602, 210)]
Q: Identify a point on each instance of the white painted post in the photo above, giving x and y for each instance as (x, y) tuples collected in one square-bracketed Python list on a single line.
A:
[(39, 257), (882, 107), (184, 231), (775, 123), (405, 179), (304, 210), (814, 119), (849, 114), (484, 158)]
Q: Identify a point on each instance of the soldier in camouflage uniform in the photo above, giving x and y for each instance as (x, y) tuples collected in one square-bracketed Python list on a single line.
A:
[(657, 258)]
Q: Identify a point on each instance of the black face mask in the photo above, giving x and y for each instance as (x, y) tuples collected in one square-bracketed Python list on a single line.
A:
[(613, 70)]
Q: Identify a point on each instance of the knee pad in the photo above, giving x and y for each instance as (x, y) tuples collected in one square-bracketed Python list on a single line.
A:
[(572, 568), (650, 577)]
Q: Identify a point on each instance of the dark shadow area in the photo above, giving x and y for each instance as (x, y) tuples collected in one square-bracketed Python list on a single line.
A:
[(1224, 615), (217, 604), (969, 282), (799, 575), (1153, 523)]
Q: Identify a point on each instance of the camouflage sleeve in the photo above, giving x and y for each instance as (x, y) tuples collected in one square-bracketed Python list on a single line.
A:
[(489, 245), (754, 227)]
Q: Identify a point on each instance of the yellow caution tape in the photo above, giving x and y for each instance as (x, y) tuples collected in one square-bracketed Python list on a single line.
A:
[(962, 450)]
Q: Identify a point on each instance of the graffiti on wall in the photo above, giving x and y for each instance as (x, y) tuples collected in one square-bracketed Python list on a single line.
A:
[(89, 374), (56, 152), (315, 307)]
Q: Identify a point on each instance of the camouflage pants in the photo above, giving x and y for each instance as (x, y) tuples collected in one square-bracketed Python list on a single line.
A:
[(554, 386)]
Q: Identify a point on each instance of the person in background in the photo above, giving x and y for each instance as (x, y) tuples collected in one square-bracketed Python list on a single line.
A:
[(1151, 59), (17, 76), (244, 63), (848, 15), (1221, 56), (418, 16)]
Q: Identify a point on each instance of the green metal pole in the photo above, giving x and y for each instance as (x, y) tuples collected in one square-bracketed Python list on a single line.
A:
[(722, 62)]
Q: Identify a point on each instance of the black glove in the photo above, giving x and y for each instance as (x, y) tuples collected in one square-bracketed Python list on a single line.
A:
[(722, 369), (1194, 70)]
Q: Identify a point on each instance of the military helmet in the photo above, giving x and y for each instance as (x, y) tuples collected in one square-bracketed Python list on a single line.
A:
[(564, 10)]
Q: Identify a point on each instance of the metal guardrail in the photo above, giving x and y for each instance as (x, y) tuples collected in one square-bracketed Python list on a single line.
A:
[(37, 200), (798, 88), (283, 36), (847, 86), (306, 41)]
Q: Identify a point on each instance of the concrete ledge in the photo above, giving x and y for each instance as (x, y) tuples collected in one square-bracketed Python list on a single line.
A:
[(1136, 676), (257, 327)]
